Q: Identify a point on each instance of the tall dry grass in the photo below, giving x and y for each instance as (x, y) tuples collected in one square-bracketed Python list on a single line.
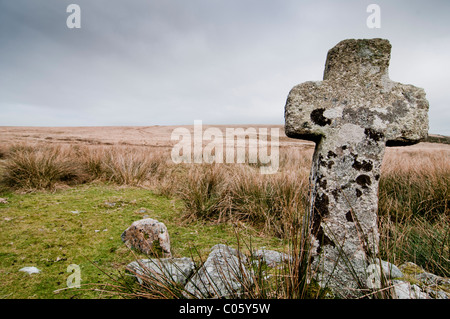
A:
[(47, 166), (414, 209), (272, 203), (413, 192), (132, 167), (30, 168), (414, 183)]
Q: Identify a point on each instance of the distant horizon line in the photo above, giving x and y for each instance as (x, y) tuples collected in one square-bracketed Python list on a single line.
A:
[(164, 125), (243, 124)]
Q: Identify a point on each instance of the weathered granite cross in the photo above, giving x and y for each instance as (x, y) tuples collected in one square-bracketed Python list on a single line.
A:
[(352, 115)]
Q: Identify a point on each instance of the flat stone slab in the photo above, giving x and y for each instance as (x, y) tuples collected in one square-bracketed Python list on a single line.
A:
[(271, 258), (176, 270), (221, 276)]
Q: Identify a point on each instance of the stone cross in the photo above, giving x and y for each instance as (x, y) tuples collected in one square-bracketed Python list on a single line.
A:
[(352, 115)]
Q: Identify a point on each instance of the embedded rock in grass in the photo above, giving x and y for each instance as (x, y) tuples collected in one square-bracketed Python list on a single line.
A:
[(271, 258), (168, 270), (30, 270), (435, 286), (390, 271), (430, 279), (148, 236), (404, 290), (222, 275)]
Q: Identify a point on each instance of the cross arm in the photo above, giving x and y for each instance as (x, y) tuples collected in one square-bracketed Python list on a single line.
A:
[(408, 108), (304, 114)]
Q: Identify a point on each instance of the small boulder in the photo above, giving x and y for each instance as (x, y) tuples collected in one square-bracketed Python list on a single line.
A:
[(148, 236)]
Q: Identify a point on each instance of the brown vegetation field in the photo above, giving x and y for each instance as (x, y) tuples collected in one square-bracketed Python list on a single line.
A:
[(413, 194)]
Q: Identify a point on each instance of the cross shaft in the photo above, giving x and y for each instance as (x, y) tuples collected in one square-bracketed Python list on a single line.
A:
[(352, 115)]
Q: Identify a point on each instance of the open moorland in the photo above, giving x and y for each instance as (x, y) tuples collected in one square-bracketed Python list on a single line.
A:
[(67, 194)]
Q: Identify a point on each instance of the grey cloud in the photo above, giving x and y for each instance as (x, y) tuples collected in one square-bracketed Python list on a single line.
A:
[(173, 61)]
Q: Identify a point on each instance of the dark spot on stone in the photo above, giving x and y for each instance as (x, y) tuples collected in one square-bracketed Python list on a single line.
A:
[(364, 165), (320, 211), (335, 193), (373, 134), (321, 205), (344, 147), (321, 161), (323, 240), (363, 180), (377, 177), (306, 125), (331, 154), (322, 182), (349, 216), (358, 193), (330, 164), (318, 118)]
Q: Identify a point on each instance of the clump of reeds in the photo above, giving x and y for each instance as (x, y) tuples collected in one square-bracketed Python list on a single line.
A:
[(130, 167), (202, 192), (44, 166), (40, 167), (231, 193), (414, 184), (414, 209)]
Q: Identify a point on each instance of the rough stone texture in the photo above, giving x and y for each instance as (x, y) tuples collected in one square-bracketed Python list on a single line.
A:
[(221, 276), (271, 258), (404, 290), (390, 271), (176, 270), (352, 115), (146, 235), (432, 279)]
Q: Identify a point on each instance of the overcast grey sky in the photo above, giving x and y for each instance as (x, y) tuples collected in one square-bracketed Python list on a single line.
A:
[(170, 62)]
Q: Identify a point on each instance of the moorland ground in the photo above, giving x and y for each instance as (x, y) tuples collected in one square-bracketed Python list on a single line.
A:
[(68, 194)]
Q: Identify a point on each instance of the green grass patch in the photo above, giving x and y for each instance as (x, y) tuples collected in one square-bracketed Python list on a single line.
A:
[(82, 225)]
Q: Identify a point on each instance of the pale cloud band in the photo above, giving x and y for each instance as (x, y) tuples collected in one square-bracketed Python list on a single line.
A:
[(169, 62)]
